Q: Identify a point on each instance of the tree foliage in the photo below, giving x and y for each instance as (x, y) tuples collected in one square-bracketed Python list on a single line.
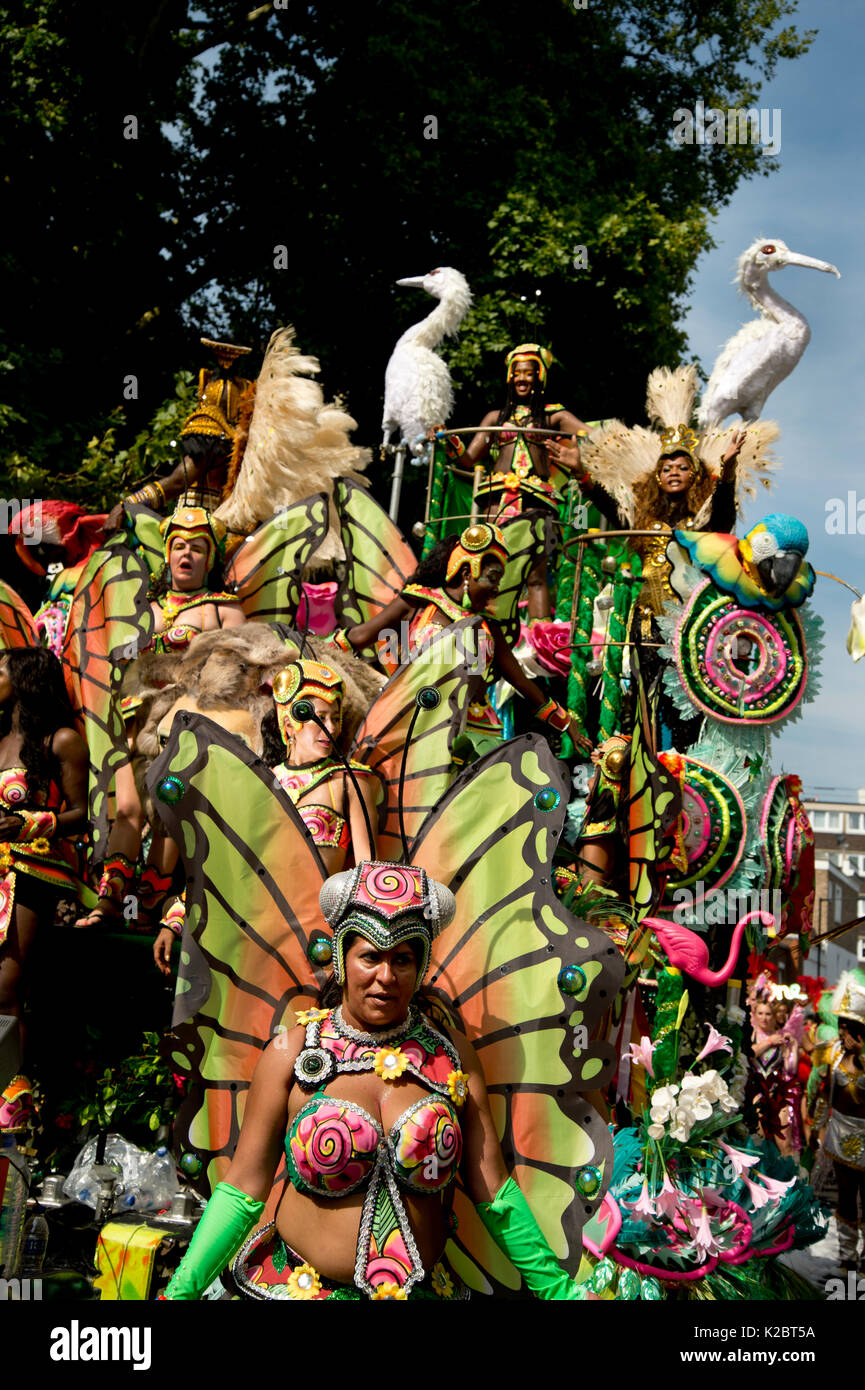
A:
[(158, 156)]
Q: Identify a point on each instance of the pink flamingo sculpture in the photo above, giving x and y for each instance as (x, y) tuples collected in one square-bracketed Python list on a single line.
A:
[(689, 952)]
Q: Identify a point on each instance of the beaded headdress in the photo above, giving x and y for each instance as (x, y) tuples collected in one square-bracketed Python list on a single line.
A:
[(531, 352), (188, 522), (305, 680), (219, 394), (473, 547), (386, 904)]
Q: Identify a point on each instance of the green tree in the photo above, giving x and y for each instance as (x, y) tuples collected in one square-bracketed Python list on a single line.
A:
[(307, 129)]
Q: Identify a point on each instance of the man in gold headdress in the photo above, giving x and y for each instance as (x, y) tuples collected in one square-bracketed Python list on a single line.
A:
[(206, 440), (523, 480)]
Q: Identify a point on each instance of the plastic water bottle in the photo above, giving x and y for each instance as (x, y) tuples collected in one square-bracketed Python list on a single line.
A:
[(161, 1177), (14, 1186), (34, 1246)]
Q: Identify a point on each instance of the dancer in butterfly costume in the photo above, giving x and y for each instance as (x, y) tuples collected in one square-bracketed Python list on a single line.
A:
[(401, 606), (107, 620), (337, 808), (513, 973), (43, 792), (172, 557)]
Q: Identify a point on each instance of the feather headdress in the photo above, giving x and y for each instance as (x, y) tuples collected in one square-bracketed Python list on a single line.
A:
[(618, 458), (296, 444)]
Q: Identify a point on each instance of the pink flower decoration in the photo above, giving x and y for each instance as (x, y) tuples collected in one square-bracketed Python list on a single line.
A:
[(550, 644), (759, 1195), (703, 1236), (774, 1188), (669, 1198), (741, 1161), (641, 1054), (644, 1206), (716, 1042)]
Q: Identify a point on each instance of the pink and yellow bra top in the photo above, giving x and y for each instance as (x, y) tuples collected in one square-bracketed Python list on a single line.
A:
[(51, 861), (15, 794), (327, 827), (335, 1146)]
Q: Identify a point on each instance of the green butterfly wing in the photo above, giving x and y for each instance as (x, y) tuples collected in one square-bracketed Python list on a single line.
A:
[(527, 538), (144, 536), (379, 560), (265, 569), (109, 622), (648, 813), (503, 963), (253, 879), (401, 735), (17, 628)]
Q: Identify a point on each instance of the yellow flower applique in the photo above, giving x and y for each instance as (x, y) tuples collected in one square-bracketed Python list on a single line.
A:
[(388, 1291), (390, 1063), (305, 1016), (458, 1087), (442, 1283), (304, 1283)]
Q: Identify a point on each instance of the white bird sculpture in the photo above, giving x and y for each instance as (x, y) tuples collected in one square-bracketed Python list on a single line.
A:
[(417, 384), (765, 350)]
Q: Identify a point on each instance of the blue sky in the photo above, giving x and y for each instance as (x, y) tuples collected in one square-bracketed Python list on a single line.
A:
[(816, 204)]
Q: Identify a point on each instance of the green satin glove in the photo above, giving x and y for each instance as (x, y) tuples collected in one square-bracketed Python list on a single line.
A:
[(509, 1220), (228, 1219)]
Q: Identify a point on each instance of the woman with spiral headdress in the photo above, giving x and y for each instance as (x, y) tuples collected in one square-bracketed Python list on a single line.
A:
[(382, 1108)]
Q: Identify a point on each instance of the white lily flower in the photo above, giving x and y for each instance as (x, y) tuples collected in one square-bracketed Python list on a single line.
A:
[(856, 635)]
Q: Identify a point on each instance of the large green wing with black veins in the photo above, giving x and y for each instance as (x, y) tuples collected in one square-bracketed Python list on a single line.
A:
[(443, 666), (265, 570), (17, 628), (647, 816), (379, 560), (525, 976), (144, 536), (110, 621), (253, 879), (527, 538)]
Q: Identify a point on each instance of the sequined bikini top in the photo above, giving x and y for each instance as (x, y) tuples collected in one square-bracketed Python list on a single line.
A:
[(15, 793), (177, 635), (328, 829), (335, 1146)]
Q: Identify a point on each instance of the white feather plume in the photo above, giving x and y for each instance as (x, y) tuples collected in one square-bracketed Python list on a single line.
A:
[(298, 444)]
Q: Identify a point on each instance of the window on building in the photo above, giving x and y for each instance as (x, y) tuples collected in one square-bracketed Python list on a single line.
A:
[(856, 822), (860, 907), (835, 859), (826, 820)]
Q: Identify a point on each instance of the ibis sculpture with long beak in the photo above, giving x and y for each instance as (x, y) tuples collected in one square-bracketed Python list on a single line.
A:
[(764, 351), (418, 392)]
